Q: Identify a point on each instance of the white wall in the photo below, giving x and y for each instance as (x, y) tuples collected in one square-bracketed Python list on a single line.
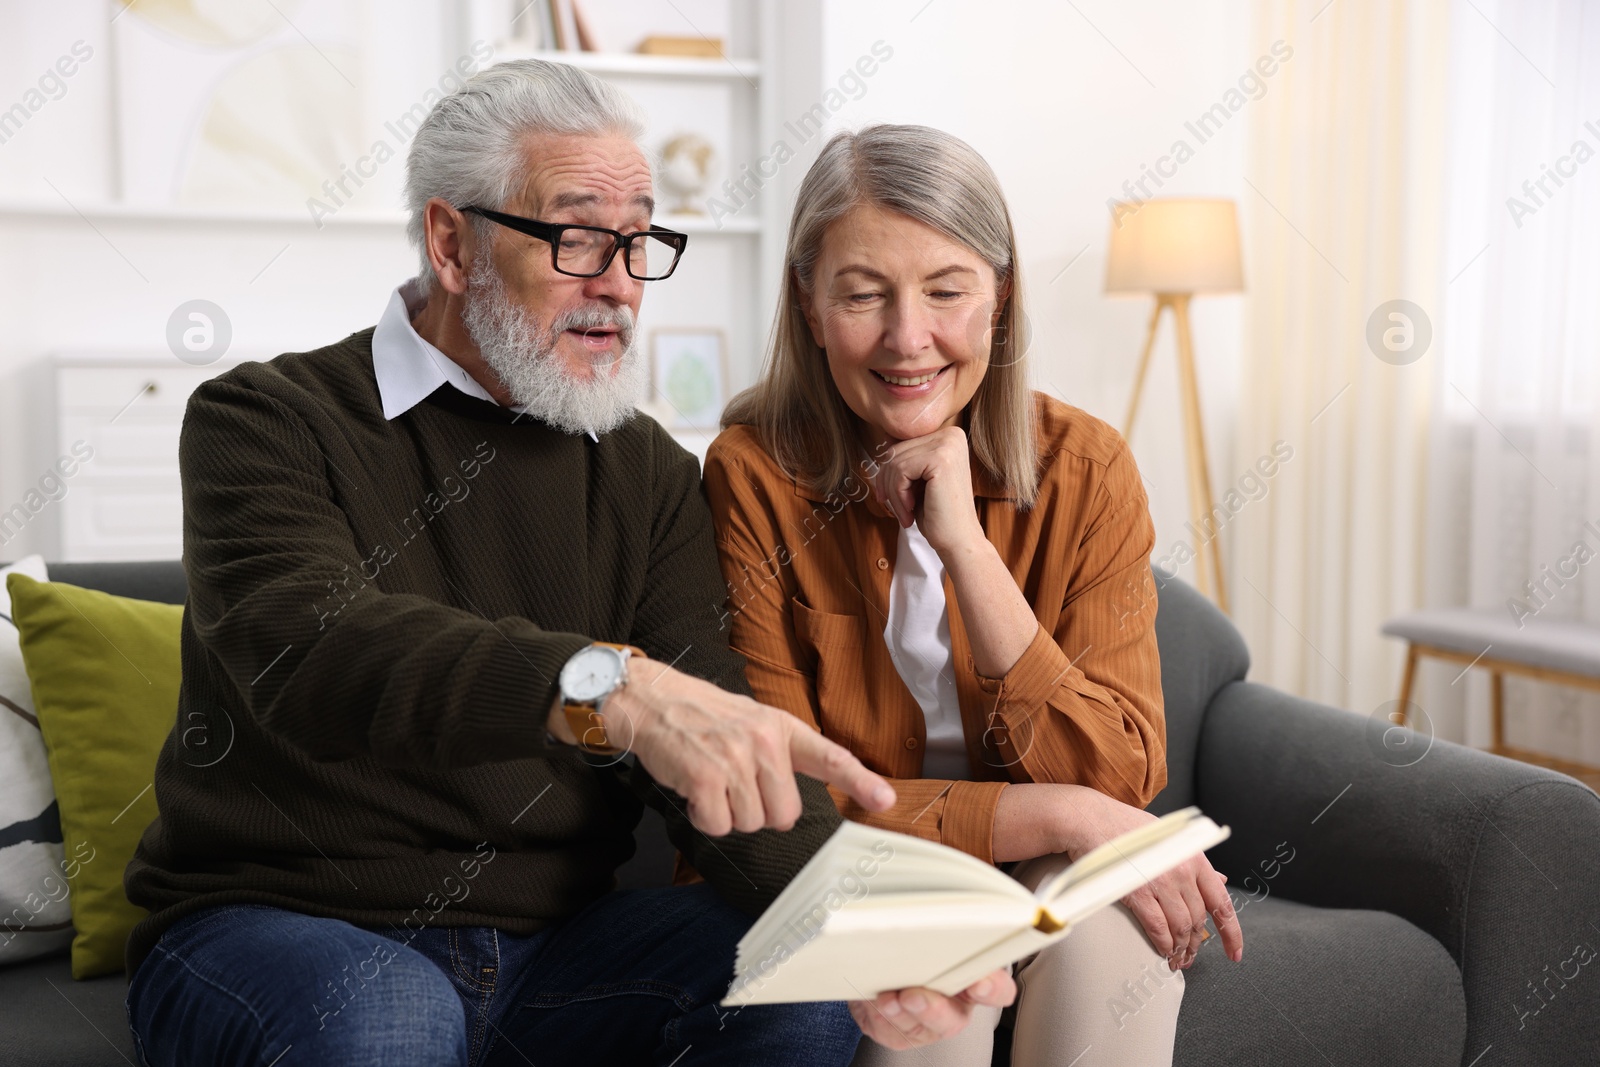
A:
[(1059, 98), (1039, 88)]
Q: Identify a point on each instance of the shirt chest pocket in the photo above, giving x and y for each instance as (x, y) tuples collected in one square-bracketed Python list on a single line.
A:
[(836, 645)]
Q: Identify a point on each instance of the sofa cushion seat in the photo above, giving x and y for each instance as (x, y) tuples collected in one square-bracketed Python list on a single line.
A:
[(1323, 985), (53, 1021)]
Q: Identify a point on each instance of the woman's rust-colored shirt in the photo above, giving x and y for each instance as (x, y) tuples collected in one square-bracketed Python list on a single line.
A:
[(808, 595)]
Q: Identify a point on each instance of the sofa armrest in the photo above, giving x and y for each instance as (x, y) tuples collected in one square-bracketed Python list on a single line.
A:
[(1498, 860)]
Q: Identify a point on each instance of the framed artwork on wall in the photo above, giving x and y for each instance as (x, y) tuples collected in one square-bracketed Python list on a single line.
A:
[(689, 375), (239, 105)]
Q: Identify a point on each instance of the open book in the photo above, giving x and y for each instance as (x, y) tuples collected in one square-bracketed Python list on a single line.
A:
[(875, 910)]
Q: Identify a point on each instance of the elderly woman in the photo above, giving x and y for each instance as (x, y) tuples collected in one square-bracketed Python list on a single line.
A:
[(949, 574)]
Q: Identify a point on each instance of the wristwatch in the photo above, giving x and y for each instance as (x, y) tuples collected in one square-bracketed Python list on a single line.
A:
[(587, 679)]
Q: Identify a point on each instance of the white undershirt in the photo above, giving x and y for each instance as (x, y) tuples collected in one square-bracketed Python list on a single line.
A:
[(918, 636)]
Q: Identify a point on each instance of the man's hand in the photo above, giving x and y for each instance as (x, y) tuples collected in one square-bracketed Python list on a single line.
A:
[(913, 1017), (732, 759)]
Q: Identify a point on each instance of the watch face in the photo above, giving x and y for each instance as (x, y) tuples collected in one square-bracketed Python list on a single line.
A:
[(591, 674)]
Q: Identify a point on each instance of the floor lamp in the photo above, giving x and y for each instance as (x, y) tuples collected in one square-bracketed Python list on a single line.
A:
[(1175, 248)]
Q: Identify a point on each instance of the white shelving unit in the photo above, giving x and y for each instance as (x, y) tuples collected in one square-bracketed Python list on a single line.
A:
[(103, 212), (140, 255)]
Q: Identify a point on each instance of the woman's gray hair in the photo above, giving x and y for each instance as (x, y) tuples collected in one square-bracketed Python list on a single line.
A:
[(940, 181), (470, 149)]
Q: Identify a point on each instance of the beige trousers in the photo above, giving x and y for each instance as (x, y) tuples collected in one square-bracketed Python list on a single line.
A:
[(1100, 997)]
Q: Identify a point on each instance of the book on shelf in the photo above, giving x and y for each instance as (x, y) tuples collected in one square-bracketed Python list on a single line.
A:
[(876, 910), (534, 26), (583, 28), (695, 47), (558, 25)]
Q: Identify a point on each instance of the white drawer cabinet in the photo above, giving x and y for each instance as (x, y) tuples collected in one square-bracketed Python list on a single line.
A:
[(125, 502), (132, 520)]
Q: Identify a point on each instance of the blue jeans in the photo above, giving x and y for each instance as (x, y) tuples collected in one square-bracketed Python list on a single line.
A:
[(634, 978)]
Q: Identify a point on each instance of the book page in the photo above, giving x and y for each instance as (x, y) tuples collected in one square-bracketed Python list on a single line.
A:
[(1117, 850), (1010, 949), (894, 949), (859, 863)]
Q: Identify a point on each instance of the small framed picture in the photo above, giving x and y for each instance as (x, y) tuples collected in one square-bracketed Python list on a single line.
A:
[(689, 373)]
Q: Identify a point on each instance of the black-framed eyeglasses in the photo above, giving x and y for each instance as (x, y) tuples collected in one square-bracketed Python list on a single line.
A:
[(587, 251)]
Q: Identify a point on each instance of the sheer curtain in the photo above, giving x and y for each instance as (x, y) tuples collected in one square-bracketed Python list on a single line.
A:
[(1514, 451), (1343, 214)]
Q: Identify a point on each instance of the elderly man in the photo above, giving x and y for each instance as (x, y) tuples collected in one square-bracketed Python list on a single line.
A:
[(459, 610)]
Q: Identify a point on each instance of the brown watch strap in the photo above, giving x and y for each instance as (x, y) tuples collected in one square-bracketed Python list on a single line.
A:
[(584, 719), (586, 725)]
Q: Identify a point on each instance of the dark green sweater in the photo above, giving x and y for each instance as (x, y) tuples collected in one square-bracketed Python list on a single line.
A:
[(377, 615)]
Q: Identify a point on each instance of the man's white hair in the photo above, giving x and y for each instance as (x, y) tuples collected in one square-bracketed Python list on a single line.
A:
[(470, 149)]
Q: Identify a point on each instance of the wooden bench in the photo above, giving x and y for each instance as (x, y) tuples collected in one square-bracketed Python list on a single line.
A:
[(1549, 650)]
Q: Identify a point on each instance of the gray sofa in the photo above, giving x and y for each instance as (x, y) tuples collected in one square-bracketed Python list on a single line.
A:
[(1405, 901)]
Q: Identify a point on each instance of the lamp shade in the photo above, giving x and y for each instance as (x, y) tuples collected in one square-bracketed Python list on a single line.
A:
[(1175, 246)]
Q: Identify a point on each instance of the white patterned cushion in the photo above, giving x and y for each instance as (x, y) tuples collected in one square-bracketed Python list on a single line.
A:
[(35, 918)]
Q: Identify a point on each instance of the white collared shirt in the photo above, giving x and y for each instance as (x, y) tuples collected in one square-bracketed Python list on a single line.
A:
[(408, 368)]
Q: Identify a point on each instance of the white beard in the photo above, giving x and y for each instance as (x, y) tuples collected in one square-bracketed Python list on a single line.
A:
[(511, 343)]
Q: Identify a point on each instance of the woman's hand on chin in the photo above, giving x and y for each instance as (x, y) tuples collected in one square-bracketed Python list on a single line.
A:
[(928, 480), (937, 469)]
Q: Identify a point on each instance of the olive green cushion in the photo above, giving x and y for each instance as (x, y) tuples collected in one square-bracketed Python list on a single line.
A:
[(104, 673)]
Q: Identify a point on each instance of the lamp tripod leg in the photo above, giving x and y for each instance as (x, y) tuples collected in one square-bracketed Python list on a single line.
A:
[(1200, 498), (1144, 365)]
